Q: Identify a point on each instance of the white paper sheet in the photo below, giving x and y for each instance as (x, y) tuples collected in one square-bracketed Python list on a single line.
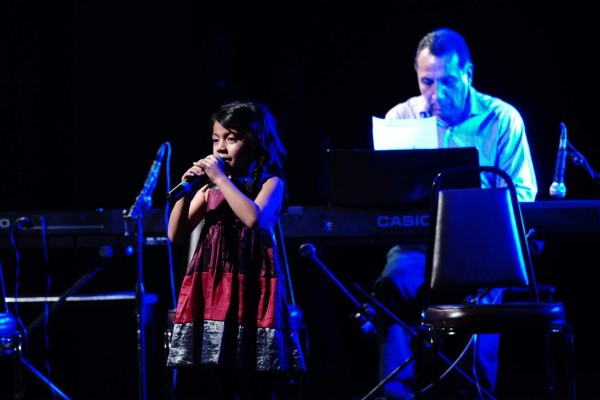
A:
[(402, 134)]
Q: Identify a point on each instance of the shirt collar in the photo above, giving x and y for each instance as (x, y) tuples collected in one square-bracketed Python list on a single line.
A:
[(474, 100)]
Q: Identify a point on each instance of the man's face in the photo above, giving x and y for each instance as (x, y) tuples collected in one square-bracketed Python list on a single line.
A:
[(444, 84)]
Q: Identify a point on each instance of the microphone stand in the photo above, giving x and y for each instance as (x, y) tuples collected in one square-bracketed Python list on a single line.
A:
[(365, 311), (135, 213), (140, 295), (308, 251), (579, 161)]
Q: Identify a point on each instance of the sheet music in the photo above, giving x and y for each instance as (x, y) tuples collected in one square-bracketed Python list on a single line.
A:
[(404, 134)]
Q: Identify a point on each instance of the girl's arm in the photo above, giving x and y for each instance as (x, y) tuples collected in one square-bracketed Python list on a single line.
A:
[(263, 211), (188, 211)]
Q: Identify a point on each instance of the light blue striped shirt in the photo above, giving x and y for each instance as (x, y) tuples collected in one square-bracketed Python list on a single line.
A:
[(495, 128)]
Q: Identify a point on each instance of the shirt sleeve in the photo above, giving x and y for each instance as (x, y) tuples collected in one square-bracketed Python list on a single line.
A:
[(514, 154)]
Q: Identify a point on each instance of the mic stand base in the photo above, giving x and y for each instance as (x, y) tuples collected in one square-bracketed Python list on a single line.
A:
[(11, 348), (388, 378), (15, 344)]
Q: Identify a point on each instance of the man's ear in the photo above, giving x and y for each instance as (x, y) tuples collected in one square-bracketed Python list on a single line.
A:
[(469, 71)]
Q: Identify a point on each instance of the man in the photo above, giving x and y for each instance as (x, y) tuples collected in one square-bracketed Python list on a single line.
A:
[(465, 118)]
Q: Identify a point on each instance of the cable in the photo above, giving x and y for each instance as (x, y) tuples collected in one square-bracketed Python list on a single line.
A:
[(479, 297), (15, 247), (166, 220), (3, 289), (449, 369), (46, 306), (172, 280)]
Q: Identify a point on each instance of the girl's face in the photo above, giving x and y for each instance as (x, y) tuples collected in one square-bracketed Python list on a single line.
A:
[(234, 150)]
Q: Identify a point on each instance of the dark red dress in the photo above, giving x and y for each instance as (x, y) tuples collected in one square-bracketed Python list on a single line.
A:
[(232, 308)]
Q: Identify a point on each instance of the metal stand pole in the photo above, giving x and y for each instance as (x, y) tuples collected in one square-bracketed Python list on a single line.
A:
[(140, 297), (43, 379), (70, 292), (142, 201)]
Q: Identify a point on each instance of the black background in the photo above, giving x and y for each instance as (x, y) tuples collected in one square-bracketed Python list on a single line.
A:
[(91, 89)]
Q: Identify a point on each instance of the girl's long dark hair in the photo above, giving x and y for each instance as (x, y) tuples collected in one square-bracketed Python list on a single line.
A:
[(254, 122)]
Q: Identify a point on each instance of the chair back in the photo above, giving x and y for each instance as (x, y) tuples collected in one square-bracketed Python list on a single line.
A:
[(477, 238)]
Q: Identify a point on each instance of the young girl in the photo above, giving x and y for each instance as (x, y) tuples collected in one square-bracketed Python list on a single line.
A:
[(233, 334)]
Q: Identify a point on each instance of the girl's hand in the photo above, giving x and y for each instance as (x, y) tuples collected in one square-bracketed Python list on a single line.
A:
[(211, 166), (195, 170)]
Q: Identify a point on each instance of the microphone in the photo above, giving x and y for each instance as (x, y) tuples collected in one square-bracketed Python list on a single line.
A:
[(144, 198), (307, 250), (190, 183), (152, 177), (24, 223), (558, 189)]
